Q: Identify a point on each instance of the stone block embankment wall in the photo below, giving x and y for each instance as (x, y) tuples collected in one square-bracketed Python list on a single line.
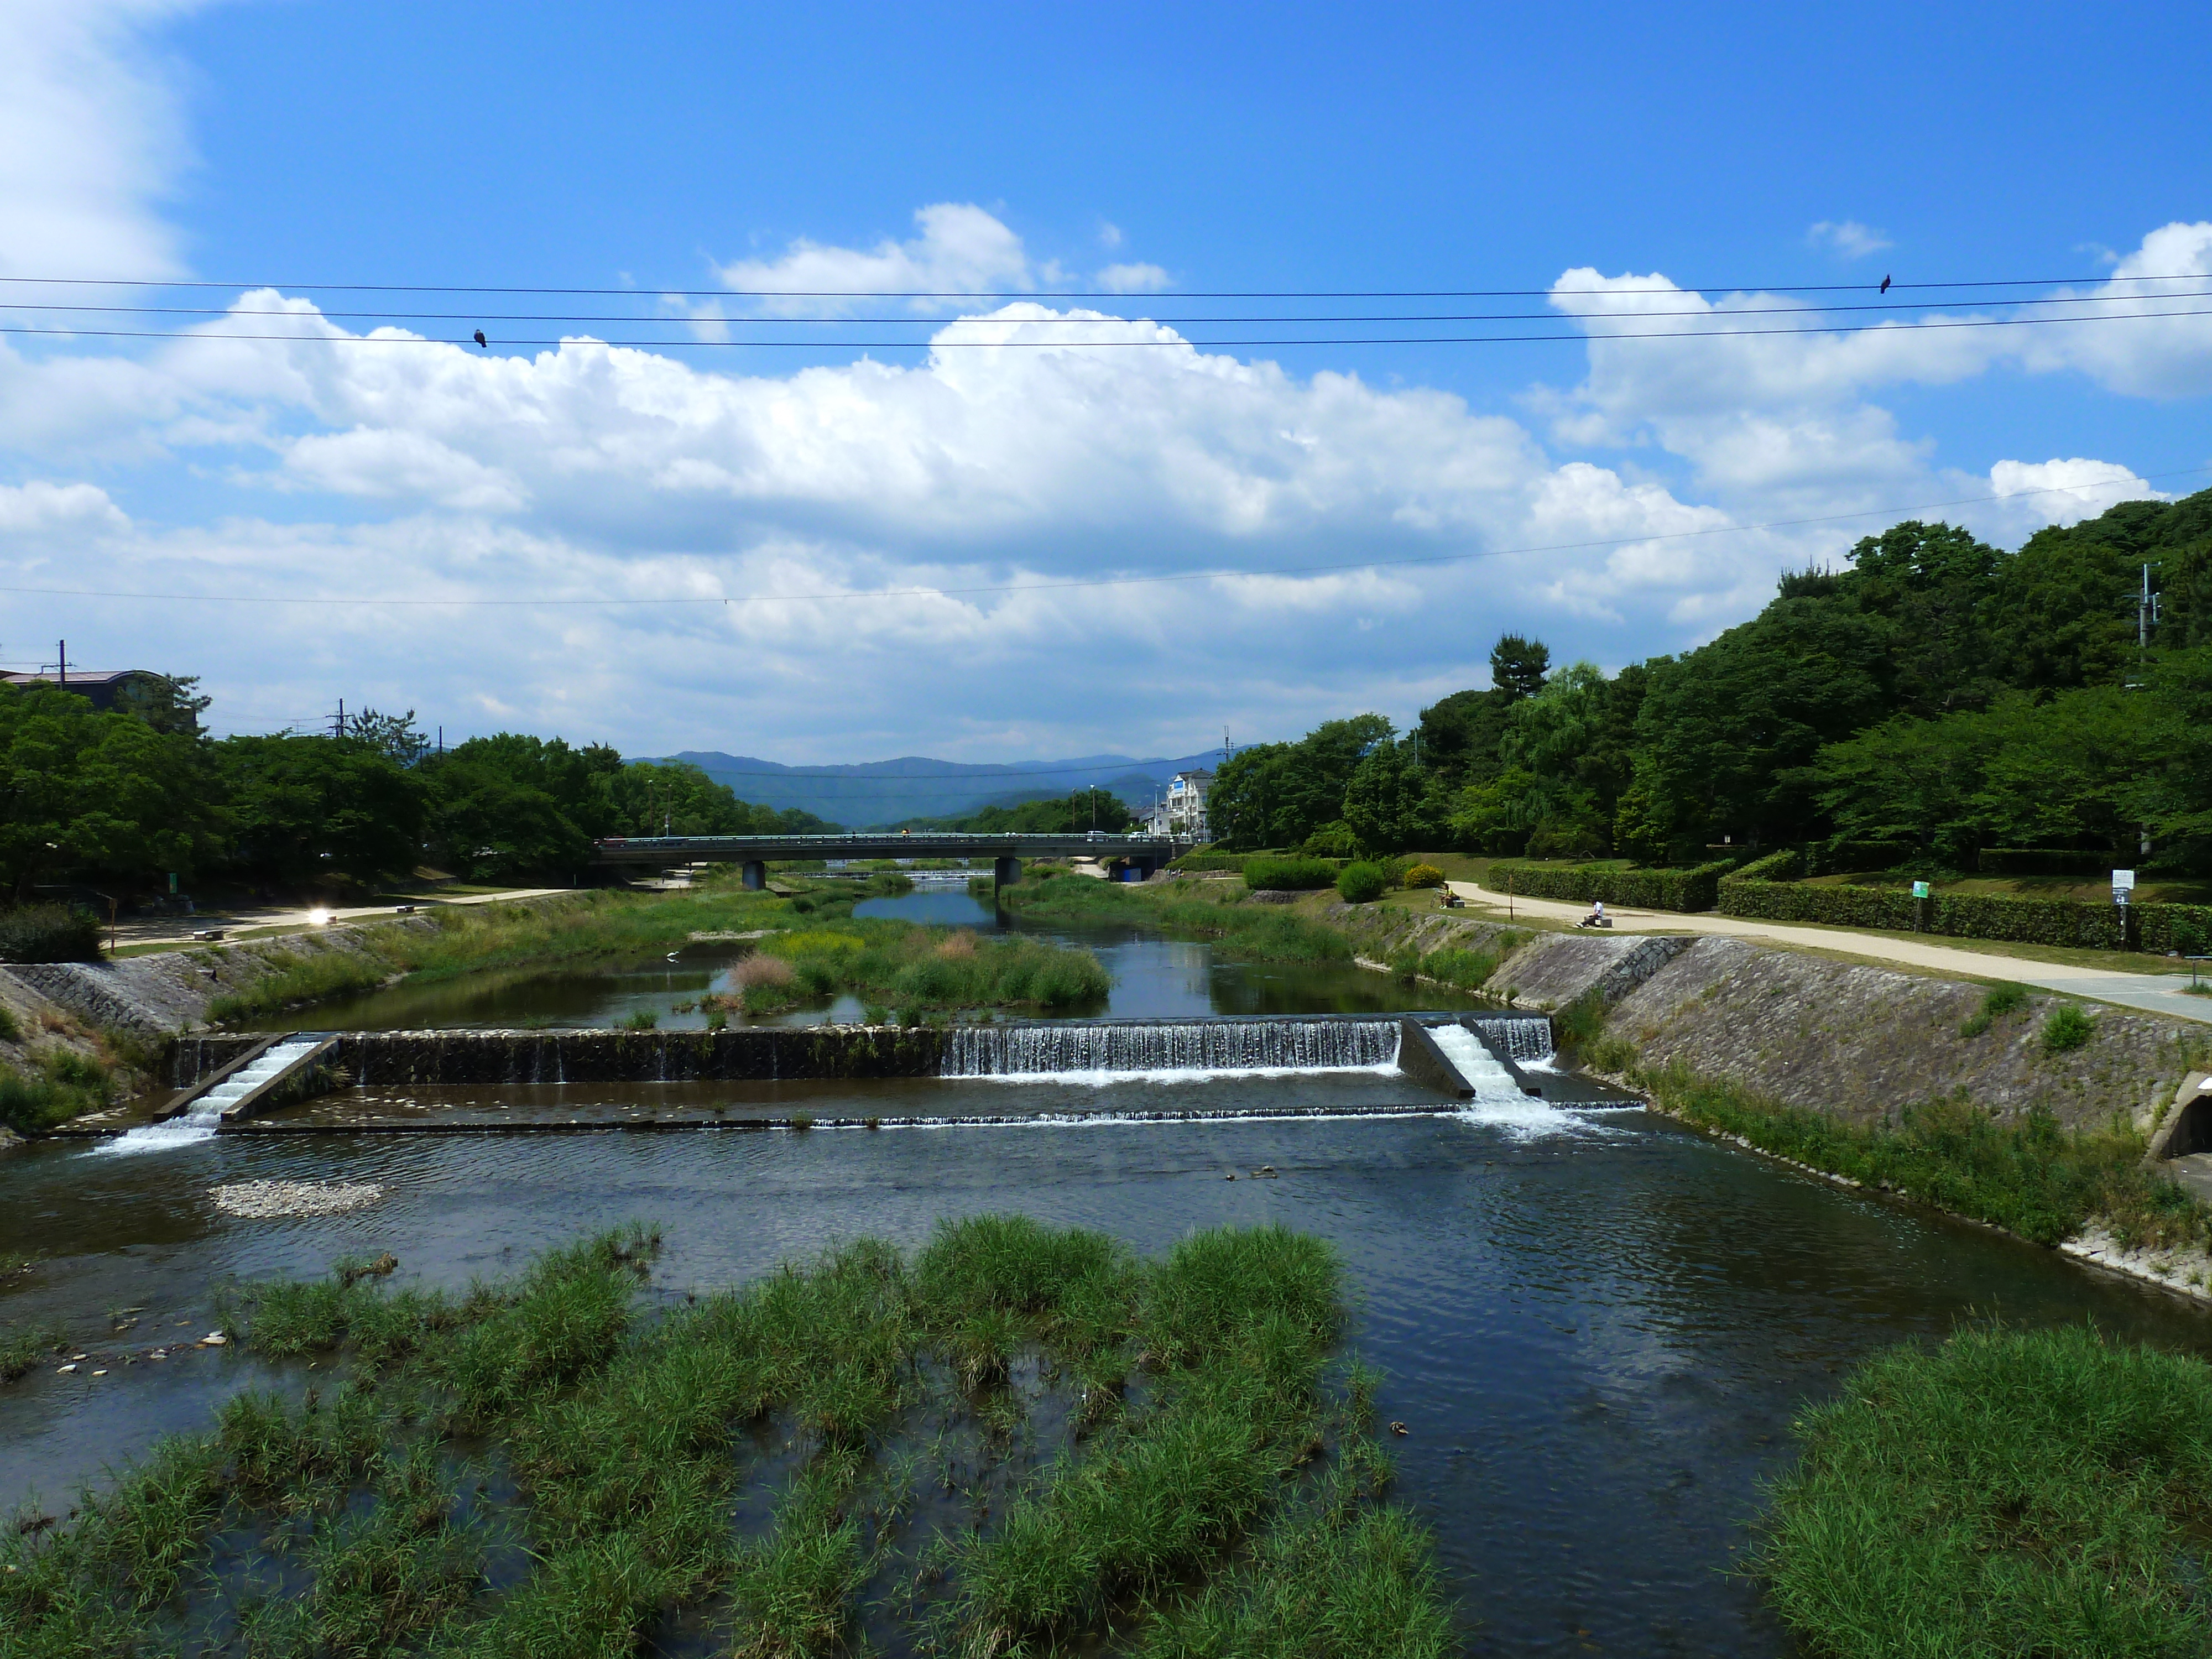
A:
[(1860, 1042), (1852, 1040)]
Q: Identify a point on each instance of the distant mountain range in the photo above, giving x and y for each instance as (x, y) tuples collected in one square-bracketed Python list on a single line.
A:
[(889, 791)]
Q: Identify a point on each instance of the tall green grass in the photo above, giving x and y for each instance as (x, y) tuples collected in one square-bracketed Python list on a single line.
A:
[(60, 1085), (1239, 930), (567, 930), (629, 1439), (2007, 1493), (917, 967), (2028, 1174)]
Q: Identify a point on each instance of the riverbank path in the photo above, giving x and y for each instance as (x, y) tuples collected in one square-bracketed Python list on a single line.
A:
[(2156, 993), (244, 919)]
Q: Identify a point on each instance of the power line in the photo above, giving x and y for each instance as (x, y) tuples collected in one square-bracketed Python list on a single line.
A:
[(1148, 317), (1579, 337), (1076, 294), (1104, 582)]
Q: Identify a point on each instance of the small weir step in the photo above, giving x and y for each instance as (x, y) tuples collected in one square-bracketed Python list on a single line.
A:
[(236, 1086)]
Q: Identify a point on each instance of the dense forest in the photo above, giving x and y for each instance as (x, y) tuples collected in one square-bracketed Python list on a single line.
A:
[(116, 801), (1936, 696)]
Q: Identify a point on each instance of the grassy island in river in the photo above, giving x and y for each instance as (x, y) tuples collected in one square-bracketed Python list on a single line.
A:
[(1019, 1438)]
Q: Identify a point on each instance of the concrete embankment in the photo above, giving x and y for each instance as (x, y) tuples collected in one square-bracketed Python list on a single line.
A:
[(1852, 1041)]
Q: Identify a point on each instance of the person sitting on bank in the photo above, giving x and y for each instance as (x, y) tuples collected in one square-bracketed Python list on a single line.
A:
[(1596, 917)]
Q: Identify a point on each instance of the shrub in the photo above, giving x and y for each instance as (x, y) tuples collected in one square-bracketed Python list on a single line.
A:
[(1291, 875), (1679, 890), (1424, 875), (2067, 1029), (2001, 999), (1361, 884), (1332, 841), (49, 932)]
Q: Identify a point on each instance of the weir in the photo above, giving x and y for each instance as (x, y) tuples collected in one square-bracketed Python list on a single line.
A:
[(1189, 1045), (781, 1053)]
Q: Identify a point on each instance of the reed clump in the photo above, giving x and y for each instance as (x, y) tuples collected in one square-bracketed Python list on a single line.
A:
[(2009, 1492), (2028, 1174), (1239, 930), (628, 1440), (915, 968)]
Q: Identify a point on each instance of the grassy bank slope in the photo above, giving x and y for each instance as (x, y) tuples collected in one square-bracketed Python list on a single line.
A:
[(816, 948), (1170, 1410), (2006, 1494)]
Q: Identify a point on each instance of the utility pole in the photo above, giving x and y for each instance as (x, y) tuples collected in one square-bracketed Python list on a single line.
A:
[(61, 662), (2146, 619), (337, 721)]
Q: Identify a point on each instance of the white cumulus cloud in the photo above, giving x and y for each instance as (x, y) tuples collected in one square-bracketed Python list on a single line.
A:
[(1847, 237), (1137, 278), (961, 250)]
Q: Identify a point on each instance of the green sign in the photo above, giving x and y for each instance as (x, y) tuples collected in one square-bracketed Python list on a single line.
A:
[(1920, 890)]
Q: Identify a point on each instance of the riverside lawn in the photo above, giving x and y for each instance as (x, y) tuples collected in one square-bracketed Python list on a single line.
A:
[(908, 1411)]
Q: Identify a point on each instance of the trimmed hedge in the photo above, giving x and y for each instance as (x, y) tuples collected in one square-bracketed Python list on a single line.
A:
[(1206, 859), (1787, 865), (2154, 927), (49, 932), (1295, 875), (2040, 861), (1685, 890)]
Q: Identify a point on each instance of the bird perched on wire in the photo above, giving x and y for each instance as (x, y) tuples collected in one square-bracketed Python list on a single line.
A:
[(1884, 288), (482, 342)]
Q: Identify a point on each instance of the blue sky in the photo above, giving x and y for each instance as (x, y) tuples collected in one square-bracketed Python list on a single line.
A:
[(1168, 152)]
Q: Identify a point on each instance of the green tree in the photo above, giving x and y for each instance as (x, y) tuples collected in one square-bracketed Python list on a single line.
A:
[(1276, 794), (1730, 729), (97, 794), (1388, 803), (306, 807)]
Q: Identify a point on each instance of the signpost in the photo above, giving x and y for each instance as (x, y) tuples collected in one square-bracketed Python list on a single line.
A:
[(2124, 883)]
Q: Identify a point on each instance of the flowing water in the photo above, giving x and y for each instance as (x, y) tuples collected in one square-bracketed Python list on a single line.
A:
[(1595, 1325)]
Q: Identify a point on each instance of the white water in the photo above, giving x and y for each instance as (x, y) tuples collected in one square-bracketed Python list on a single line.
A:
[(1099, 1078), (200, 1120), (1497, 1100), (1178, 1051)]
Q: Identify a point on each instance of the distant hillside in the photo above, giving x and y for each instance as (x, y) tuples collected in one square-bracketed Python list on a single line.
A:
[(879, 792)]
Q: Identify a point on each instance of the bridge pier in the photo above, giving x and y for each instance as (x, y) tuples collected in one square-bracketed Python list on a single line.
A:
[(1005, 872), (754, 873)]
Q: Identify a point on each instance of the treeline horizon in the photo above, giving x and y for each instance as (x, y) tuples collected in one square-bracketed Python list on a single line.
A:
[(1934, 697), (118, 800)]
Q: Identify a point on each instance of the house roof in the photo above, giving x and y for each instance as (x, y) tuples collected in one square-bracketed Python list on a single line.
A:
[(79, 676)]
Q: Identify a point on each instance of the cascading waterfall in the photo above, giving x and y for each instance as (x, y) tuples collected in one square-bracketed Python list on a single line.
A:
[(1518, 1036), (1108, 1049), (204, 1116), (1498, 1101)]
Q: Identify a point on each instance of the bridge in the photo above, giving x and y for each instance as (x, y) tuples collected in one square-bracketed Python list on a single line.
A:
[(753, 854)]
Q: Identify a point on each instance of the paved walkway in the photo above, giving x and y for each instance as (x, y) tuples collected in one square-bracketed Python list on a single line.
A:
[(179, 930), (2157, 994)]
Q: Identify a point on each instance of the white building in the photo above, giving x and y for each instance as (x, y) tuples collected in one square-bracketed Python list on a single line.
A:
[(1185, 807)]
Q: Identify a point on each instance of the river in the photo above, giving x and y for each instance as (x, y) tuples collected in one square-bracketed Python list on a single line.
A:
[(1596, 1324)]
